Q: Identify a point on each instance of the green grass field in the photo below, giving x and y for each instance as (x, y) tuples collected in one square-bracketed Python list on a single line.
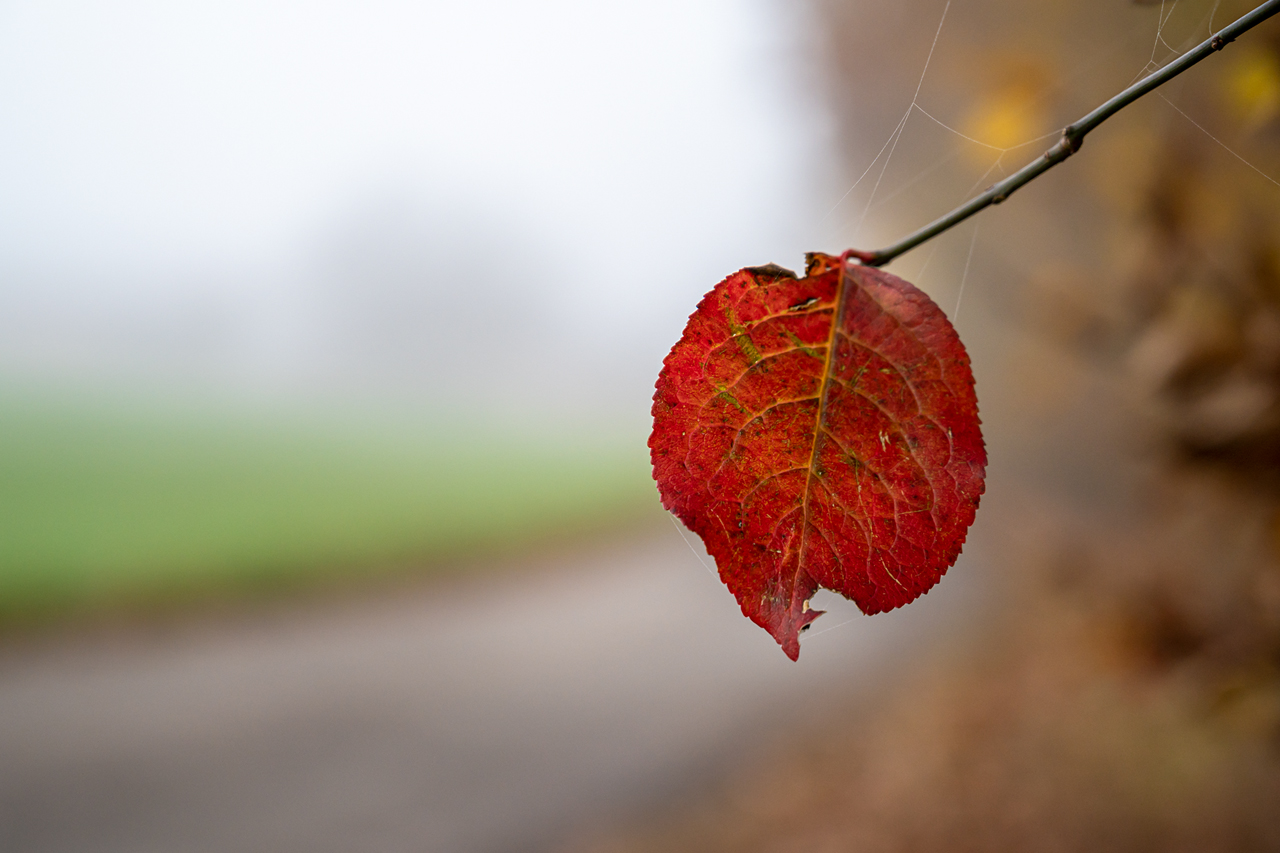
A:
[(112, 507)]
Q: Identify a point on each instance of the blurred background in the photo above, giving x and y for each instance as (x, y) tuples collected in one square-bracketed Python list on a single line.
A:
[(327, 342)]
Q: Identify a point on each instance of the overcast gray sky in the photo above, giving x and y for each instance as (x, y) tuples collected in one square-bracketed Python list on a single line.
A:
[(209, 161)]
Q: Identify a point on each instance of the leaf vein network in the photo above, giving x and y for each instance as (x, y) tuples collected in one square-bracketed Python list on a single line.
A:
[(897, 428), (879, 475), (737, 437), (761, 360), (942, 377), (862, 522), (775, 475)]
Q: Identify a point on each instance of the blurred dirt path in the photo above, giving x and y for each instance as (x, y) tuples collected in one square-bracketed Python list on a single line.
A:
[(499, 713)]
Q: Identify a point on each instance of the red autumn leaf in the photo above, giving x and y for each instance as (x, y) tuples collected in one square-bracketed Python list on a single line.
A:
[(820, 432)]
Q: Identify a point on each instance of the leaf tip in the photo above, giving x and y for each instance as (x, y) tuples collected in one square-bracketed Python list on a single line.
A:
[(786, 624)]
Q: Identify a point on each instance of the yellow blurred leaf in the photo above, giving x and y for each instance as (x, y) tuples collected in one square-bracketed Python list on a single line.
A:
[(1004, 119), (1253, 87)]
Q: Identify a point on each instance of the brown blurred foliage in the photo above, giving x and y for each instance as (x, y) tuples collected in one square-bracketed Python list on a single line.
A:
[(1124, 691)]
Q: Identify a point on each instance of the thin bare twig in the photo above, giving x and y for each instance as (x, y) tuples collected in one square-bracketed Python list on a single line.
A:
[(1072, 136)]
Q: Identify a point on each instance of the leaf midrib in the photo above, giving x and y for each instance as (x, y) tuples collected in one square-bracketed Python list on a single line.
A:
[(817, 422)]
